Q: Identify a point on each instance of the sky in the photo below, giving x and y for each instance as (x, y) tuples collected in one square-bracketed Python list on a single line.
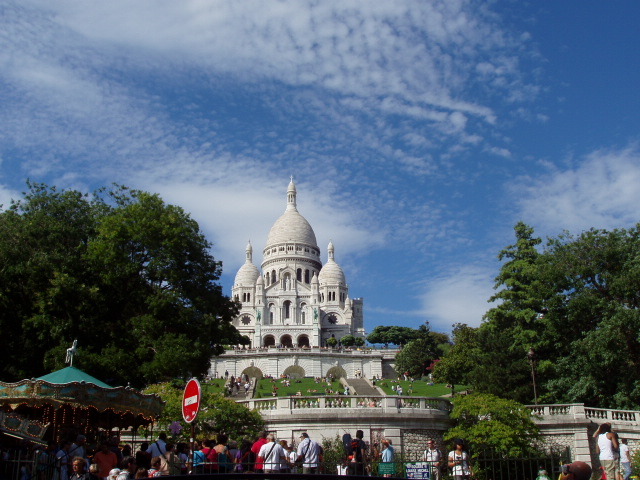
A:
[(418, 132)]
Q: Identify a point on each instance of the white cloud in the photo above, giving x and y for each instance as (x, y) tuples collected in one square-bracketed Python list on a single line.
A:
[(458, 295), (599, 190)]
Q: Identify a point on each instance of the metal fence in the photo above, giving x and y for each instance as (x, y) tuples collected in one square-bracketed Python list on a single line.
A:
[(26, 466)]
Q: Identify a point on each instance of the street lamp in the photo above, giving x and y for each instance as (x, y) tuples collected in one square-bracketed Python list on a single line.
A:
[(531, 355)]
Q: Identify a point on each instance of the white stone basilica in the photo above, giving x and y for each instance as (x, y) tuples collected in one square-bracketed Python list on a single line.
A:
[(295, 301)]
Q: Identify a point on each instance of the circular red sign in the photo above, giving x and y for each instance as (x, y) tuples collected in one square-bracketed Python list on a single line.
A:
[(191, 400)]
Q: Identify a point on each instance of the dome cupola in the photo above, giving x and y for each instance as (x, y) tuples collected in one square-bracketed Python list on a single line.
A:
[(248, 273), (331, 273)]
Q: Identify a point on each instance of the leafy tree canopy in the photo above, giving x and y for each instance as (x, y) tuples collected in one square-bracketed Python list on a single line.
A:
[(393, 335), (128, 276), (417, 356), (216, 415), (488, 422), (568, 315)]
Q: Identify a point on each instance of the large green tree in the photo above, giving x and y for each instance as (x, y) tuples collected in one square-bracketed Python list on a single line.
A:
[(574, 305), (128, 276)]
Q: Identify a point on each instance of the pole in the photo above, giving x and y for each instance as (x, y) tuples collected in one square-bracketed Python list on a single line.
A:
[(531, 354)]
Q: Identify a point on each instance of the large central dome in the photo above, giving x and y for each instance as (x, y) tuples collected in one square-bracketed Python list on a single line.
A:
[(291, 226)]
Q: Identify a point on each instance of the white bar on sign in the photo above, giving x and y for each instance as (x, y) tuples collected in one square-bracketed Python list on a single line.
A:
[(191, 400)]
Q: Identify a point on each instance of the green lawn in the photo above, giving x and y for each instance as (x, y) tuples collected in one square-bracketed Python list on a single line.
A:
[(306, 386), (215, 385), (417, 388)]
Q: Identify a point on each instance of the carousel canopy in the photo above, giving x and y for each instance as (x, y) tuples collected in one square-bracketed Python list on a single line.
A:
[(71, 396), (70, 375)]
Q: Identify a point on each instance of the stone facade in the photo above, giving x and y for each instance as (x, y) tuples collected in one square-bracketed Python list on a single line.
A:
[(294, 300)]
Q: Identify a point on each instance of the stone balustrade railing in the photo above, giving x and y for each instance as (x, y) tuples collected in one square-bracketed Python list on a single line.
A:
[(348, 401), (579, 411), (323, 350)]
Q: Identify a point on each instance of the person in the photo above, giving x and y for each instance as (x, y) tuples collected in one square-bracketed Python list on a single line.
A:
[(182, 452), (459, 461), (141, 473), (78, 448), (293, 456), (606, 448), (241, 460), (255, 449), (309, 454), (170, 463), (387, 454), (211, 456), (272, 454), (285, 465), (625, 460), (79, 466), (433, 456), (358, 456), (94, 472), (224, 459), (143, 457), (129, 469), (113, 474), (106, 460), (63, 462), (159, 447), (154, 471)]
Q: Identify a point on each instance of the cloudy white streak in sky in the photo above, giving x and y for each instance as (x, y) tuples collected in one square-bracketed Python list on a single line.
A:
[(398, 120)]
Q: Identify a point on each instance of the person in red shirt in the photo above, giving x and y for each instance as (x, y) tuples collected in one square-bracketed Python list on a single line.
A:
[(259, 465), (106, 460), (211, 456)]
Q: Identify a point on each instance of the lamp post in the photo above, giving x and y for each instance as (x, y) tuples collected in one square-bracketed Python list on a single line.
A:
[(531, 355)]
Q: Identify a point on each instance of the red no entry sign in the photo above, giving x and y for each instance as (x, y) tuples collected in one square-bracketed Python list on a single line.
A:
[(191, 400)]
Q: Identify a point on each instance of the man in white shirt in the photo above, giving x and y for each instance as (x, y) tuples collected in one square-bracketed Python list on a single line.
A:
[(310, 451), (433, 456), (273, 454)]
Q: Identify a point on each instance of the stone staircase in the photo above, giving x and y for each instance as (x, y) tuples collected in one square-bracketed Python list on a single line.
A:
[(361, 386)]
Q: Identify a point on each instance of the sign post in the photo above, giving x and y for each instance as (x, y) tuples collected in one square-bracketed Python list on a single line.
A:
[(190, 407)]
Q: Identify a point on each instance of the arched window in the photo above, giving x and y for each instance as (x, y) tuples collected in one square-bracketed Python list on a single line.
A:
[(248, 297), (299, 274), (273, 276), (306, 276), (272, 309), (303, 313), (287, 309)]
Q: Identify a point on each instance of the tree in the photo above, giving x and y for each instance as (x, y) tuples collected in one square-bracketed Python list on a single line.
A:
[(416, 357), (488, 422), (332, 342), (348, 340), (358, 341), (392, 335), (128, 276), (456, 366), (216, 415)]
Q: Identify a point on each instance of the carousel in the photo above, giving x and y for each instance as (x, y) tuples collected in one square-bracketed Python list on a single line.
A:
[(69, 402)]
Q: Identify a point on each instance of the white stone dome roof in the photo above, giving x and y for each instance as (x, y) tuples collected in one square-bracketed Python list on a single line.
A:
[(248, 273), (331, 273), (291, 226)]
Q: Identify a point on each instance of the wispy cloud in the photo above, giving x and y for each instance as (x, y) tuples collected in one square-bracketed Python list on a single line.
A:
[(599, 190)]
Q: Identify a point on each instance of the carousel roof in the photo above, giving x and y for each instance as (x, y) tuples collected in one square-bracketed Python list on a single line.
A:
[(72, 374), (71, 387)]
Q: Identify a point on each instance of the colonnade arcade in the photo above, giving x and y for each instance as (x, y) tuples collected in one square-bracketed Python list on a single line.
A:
[(286, 340)]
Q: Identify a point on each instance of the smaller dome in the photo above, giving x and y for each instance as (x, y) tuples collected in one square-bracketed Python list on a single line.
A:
[(248, 273), (331, 273)]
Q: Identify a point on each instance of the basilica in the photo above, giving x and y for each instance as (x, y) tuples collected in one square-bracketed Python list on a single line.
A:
[(294, 300)]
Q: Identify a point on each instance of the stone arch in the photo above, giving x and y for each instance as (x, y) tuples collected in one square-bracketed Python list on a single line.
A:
[(269, 341), (295, 371), (286, 341), (303, 341), (252, 372), (337, 372)]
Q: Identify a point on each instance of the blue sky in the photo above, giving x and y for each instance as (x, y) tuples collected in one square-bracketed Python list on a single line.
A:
[(418, 132)]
